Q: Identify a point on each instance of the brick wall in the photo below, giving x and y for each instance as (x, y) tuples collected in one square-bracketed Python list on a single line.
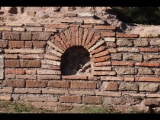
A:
[(125, 67)]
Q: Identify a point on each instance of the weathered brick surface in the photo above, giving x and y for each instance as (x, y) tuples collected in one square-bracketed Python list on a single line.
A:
[(30, 63), (110, 86), (104, 73), (119, 63), (101, 59), (25, 36), (26, 90), (148, 49), (102, 64), (141, 42), (82, 92), (108, 34), (151, 79), (128, 86), (75, 77), (47, 77), (30, 72), (126, 70), (59, 84), (24, 51), (16, 44), (145, 71), (116, 56), (39, 44), (123, 35), (104, 53), (111, 78), (134, 57), (28, 44), (36, 83), (147, 64), (91, 100), (48, 72), (26, 77), (148, 57), (15, 71), (40, 36), (57, 25), (127, 49), (151, 87), (11, 56), (11, 35), (124, 42), (114, 94), (3, 43), (6, 98), (111, 44), (150, 101), (85, 85), (155, 42), (12, 63), (70, 99), (14, 83), (102, 48), (52, 91), (105, 27)]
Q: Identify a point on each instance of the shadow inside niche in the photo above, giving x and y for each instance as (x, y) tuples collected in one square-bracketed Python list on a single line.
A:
[(75, 60)]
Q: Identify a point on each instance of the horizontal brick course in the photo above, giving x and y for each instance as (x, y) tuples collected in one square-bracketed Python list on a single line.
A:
[(59, 84), (85, 85), (36, 83), (70, 99)]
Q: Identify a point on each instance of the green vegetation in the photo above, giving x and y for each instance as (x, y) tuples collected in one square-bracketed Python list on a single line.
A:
[(140, 15)]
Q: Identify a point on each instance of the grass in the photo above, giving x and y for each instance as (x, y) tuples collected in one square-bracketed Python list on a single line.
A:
[(17, 107)]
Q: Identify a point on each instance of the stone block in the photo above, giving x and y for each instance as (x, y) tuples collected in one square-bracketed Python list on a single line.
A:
[(149, 87), (141, 42), (128, 86), (134, 57), (126, 70)]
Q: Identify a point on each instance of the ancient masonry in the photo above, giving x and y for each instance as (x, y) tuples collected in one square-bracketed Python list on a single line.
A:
[(71, 64)]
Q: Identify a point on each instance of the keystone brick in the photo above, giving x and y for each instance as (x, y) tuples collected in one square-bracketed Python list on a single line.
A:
[(12, 63), (128, 86), (16, 44), (126, 71), (40, 36), (92, 100), (148, 49), (155, 42), (127, 49), (110, 86), (141, 42), (85, 85), (134, 57), (98, 50), (152, 79), (11, 35), (101, 59), (30, 63), (39, 44), (3, 43), (102, 64), (46, 71), (28, 44), (25, 36), (114, 94), (102, 27), (59, 84), (118, 63), (104, 73), (75, 77), (101, 54), (150, 87), (124, 42), (15, 71), (145, 71), (70, 99), (14, 83), (116, 56), (108, 34), (36, 83), (57, 25), (127, 35), (147, 64)]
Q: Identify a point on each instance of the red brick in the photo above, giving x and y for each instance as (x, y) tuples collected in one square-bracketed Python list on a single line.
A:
[(108, 34), (84, 92), (118, 63), (36, 83), (6, 90), (105, 27), (53, 91), (114, 94), (16, 44), (55, 67), (101, 59), (101, 48), (70, 99), (128, 78), (74, 25), (47, 77), (127, 35), (92, 100), (147, 64), (24, 90), (112, 50), (94, 40), (52, 57), (31, 56), (25, 36), (39, 44), (41, 35), (86, 26), (70, 15), (102, 64), (10, 76), (58, 39), (28, 44), (12, 63), (14, 83), (85, 85), (68, 36), (11, 56), (26, 77), (103, 53), (3, 43), (148, 49), (151, 79), (75, 77), (150, 102), (84, 36), (73, 34), (111, 78), (11, 35), (31, 72), (77, 36), (15, 71), (104, 73), (59, 84), (80, 36), (30, 63), (90, 36), (111, 44), (57, 25), (111, 86), (63, 37)]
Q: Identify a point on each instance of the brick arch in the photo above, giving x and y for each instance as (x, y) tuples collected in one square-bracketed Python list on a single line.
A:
[(89, 38)]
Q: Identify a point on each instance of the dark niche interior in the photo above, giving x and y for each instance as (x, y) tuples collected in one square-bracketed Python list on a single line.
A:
[(75, 61)]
